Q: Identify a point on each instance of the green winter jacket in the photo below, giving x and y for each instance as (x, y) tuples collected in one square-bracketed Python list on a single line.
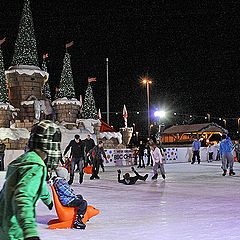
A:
[(25, 184)]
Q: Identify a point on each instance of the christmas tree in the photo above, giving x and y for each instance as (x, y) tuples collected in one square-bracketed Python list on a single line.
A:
[(46, 88), (89, 108), (66, 86), (25, 51), (3, 84)]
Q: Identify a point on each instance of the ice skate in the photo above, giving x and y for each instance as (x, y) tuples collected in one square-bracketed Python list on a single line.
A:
[(224, 172), (231, 173), (155, 176), (163, 176), (145, 177), (79, 224)]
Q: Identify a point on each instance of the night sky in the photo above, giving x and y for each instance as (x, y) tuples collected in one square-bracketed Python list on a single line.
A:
[(190, 49)]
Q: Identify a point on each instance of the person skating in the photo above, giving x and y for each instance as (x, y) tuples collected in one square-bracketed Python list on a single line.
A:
[(68, 198), (130, 180), (26, 183), (226, 149), (141, 149), (77, 157), (96, 154), (89, 144), (158, 161)]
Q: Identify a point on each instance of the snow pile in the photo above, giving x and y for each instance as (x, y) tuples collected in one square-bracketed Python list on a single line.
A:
[(89, 123), (31, 102), (6, 106), (109, 135), (14, 133), (26, 69), (66, 101)]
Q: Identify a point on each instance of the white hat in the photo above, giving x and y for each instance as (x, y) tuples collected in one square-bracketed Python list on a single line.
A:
[(62, 172)]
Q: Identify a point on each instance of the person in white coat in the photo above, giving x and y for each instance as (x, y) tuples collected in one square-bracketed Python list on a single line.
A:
[(157, 161)]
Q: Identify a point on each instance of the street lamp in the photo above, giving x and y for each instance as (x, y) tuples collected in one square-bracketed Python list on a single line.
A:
[(148, 81)]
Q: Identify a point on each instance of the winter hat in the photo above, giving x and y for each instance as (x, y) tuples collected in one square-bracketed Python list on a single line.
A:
[(46, 136), (61, 172)]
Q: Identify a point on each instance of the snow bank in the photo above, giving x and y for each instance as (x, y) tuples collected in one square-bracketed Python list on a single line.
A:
[(89, 123), (66, 101), (14, 133), (109, 135)]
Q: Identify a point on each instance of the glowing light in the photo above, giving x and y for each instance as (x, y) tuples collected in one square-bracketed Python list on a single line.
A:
[(160, 114)]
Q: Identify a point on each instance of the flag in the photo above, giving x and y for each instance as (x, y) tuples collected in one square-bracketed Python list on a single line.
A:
[(45, 55), (69, 44), (92, 79), (99, 114), (2, 41), (125, 115)]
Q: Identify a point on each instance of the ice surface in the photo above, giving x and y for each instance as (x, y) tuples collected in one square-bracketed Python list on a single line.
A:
[(194, 202)]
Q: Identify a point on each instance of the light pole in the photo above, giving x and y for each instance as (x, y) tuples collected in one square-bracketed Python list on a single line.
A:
[(148, 82)]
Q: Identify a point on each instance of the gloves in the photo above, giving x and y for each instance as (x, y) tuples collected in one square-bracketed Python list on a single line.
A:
[(119, 171), (133, 169), (32, 238), (50, 206)]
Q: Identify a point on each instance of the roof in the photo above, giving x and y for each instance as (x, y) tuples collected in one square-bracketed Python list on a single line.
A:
[(193, 128), (106, 127)]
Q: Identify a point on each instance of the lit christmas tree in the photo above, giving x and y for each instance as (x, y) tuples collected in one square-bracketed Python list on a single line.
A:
[(3, 83), (46, 88), (66, 86), (89, 108), (25, 51)]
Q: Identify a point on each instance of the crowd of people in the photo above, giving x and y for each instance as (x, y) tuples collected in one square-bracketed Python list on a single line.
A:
[(27, 176)]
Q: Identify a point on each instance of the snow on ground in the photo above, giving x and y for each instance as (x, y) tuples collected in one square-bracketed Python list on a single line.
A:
[(194, 202)]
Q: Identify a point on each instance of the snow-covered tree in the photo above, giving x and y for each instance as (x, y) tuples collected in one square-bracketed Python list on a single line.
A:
[(3, 83), (25, 51), (46, 88), (66, 86), (89, 107)]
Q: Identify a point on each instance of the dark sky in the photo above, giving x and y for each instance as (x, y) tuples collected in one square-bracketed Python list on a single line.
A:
[(191, 50)]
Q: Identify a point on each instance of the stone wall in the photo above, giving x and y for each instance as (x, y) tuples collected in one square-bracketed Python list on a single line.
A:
[(18, 144), (66, 112), (5, 117), (25, 124)]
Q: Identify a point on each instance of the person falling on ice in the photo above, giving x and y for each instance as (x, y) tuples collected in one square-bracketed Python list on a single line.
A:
[(157, 161), (127, 180), (68, 198)]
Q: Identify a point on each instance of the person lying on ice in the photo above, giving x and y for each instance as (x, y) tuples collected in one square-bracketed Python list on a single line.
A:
[(130, 180), (67, 196)]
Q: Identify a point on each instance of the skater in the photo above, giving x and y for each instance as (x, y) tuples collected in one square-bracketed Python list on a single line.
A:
[(210, 150), (26, 183), (131, 180), (68, 198), (226, 152), (141, 149), (149, 157), (158, 161), (196, 150), (89, 144), (77, 157), (96, 154)]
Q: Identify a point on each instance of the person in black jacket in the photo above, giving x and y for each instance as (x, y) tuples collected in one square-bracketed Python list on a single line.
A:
[(97, 153), (127, 180), (77, 157), (89, 144), (141, 155)]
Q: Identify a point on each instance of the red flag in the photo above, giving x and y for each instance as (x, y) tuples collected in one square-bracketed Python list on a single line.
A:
[(45, 55), (92, 79), (2, 41), (69, 44)]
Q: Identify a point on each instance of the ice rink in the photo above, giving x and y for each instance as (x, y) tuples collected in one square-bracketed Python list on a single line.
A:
[(194, 202)]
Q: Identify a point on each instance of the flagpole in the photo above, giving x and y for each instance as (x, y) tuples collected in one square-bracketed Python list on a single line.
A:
[(107, 92)]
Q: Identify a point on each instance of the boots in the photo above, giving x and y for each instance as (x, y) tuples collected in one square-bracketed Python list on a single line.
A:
[(78, 223), (231, 173), (155, 176), (224, 172), (70, 180), (145, 177), (80, 178), (163, 176)]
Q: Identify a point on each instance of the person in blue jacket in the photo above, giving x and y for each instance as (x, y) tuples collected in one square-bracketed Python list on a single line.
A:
[(196, 145)]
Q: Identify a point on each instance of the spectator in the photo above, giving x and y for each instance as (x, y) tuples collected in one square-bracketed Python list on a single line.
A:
[(2, 154), (210, 150), (141, 149), (196, 150)]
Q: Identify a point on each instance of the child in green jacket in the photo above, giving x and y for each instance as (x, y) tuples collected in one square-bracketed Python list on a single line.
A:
[(26, 183)]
